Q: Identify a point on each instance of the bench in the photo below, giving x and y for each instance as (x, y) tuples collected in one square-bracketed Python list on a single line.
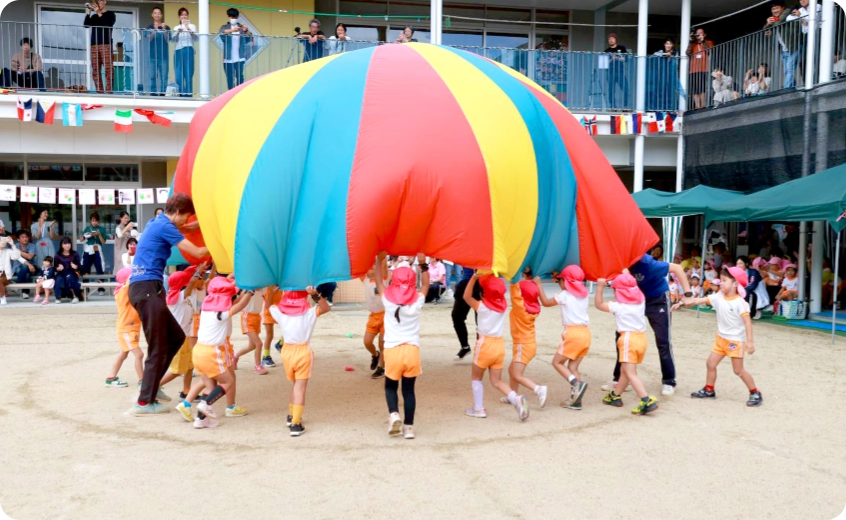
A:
[(86, 287)]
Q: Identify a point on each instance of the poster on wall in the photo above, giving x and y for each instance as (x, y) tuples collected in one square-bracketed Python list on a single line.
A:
[(29, 194), (145, 196), (126, 197), (107, 197), (67, 196), (47, 195), (162, 194), (8, 193), (87, 197)]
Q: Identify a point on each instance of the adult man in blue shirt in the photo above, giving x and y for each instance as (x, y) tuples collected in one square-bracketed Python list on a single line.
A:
[(651, 276), (460, 310), (146, 293)]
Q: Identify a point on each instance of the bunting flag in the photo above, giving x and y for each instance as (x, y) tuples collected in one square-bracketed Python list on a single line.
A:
[(123, 121), (668, 123), (614, 125), (45, 112), (624, 127), (590, 125), (651, 120), (71, 114), (90, 107), (6, 91), (157, 118), (636, 124), (24, 109)]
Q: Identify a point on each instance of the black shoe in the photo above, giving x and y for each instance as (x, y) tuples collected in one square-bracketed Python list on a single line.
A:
[(182, 395), (380, 372), (101, 292), (463, 352), (288, 421), (374, 362), (755, 399), (297, 430), (704, 394)]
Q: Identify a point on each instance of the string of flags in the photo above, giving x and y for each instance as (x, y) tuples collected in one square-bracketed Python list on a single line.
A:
[(632, 124), (44, 112), (86, 197)]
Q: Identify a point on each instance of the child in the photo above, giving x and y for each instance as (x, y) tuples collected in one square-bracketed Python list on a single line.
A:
[(490, 348), (297, 320), (525, 308), (629, 311), (710, 276), (675, 289), (403, 305), (268, 322), (790, 284), (376, 321), (251, 327), (573, 301), (182, 310), (46, 281), (210, 353), (128, 331), (734, 333), (695, 288)]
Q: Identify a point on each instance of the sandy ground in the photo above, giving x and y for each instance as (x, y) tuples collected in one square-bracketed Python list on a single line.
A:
[(70, 451)]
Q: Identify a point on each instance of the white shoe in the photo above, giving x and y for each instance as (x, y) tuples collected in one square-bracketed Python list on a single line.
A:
[(472, 412), (522, 407), (25, 296), (208, 422), (541, 393), (206, 408), (668, 390), (408, 431), (75, 300), (3, 300), (395, 423), (610, 385), (58, 301)]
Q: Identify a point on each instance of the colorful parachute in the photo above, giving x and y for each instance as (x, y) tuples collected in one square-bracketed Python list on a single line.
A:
[(302, 176)]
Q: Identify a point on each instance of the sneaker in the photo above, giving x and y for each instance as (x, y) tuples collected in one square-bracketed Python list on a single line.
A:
[(206, 409), (288, 421), (278, 346), (704, 394), (267, 361), (75, 300), (472, 412), (58, 301), (668, 390), (408, 431), (542, 392), (185, 411), (755, 399), (45, 302), (115, 383), (153, 408), (182, 396), (571, 405), (504, 400), (463, 352), (297, 430), (379, 372), (101, 292), (25, 296), (579, 392), (395, 423), (208, 422), (610, 385), (236, 411), (522, 407), (374, 362), (3, 300), (259, 370), (161, 396), (644, 408), (36, 299), (613, 399)]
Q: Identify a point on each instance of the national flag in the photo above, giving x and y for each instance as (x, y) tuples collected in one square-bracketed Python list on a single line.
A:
[(582, 121), (90, 107), (669, 121), (624, 128), (157, 118), (636, 124), (614, 125), (590, 125), (6, 91), (71, 114), (45, 112), (662, 126), (656, 118), (24, 109), (123, 121)]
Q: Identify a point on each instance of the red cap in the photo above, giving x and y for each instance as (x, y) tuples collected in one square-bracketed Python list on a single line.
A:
[(178, 281), (220, 293), (627, 291), (403, 287), (294, 303), (493, 293), (531, 296), (574, 280)]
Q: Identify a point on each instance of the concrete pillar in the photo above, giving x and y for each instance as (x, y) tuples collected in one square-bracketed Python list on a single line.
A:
[(203, 29), (640, 99), (436, 21), (827, 41), (811, 44), (683, 81), (600, 34)]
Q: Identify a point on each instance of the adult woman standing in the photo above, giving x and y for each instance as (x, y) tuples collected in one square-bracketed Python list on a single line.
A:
[(67, 271), (184, 34), (122, 234), (337, 43), (43, 234), (666, 73)]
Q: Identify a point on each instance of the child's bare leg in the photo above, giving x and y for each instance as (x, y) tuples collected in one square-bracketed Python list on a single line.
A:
[(369, 345), (38, 289), (47, 293), (268, 338), (381, 350), (515, 371), (139, 363), (495, 375), (559, 363), (168, 377), (737, 365), (711, 364), (186, 381), (196, 388), (227, 381), (118, 362), (630, 369), (298, 392), (622, 383), (573, 365), (255, 346)]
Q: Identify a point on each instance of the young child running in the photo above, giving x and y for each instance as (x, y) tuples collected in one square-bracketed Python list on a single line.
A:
[(210, 353), (128, 331), (573, 302), (734, 333), (183, 311), (251, 327), (489, 352), (525, 308), (376, 321), (403, 305), (297, 320), (195, 293), (629, 311)]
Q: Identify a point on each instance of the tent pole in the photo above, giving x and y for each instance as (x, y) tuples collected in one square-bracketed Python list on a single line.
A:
[(702, 263), (834, 301)]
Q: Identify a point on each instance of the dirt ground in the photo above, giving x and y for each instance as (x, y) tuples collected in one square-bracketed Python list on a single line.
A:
[(70, 451)]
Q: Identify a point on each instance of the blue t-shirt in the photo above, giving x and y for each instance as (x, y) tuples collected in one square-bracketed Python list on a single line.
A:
[(466, 274), (153, 250), (651, 276)]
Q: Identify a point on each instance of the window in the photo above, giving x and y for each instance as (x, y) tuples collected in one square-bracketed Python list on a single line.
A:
[(111, 173), (366, 34), (462, 39), (55, 172), (11, 171)]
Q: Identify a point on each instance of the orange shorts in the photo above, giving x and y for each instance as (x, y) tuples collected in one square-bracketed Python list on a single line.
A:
[(632, 347), (129, 340), (297, 360), (209, 360), (267, 319), (376, 323), (230, 353), (524, 352), (182, 361), (402, 361), (250, 323), (196, 325), (576, 342), (489, 352), (732, 349)]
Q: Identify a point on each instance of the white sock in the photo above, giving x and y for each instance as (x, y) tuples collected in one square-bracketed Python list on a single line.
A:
[(478, 395), (572, 379), (536, 390), (512, 397)]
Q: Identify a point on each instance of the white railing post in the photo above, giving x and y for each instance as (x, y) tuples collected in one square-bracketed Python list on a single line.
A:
[(640, 99), (204, 30), (827, 41)]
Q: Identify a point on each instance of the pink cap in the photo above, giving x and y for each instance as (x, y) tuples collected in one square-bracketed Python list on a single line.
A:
[(627, 291), (740, 277)]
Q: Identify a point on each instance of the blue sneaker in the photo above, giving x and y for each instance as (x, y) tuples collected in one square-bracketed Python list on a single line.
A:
[(278, 346), (267, 362), (153, 408)]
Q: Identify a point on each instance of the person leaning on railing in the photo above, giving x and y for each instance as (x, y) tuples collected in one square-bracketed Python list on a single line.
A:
[(788, 39), (313, 41), (664, 76), (184, 34), (337, 43), (26, 69), (101, 21), (700, 65), (722, 85), (617, 73)]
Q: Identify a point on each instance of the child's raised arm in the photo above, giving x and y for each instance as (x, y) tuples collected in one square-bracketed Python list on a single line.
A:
[(322, 302), (381, 266), (268, 302), (241, 303), (598, 302), (546, 302), (424, 278), (468, 292)]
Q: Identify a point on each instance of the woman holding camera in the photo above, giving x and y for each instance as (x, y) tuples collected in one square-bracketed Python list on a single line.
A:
[(122, 234), (43, 233)]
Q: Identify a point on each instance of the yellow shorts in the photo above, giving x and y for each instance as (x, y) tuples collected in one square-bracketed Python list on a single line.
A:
[(524, 352), (209, 360), (576, 342), (489, 352), (732, 349), (196, 325), (182, 361), (631, 347), (402, 361), (376, 323), (250, 323), (129, 340), (297, 360)]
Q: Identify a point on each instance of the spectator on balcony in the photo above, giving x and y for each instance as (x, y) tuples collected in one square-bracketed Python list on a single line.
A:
[(236, 41), (664, 77), (313, 41), (617, 73), (184, 34), (788, 40), (53, 81), (158, 59), (722, 85), (26, 69), (757, 83), (101, 21), (698, 50), (802, 12), (338, 42), (839, 69), (407, 35)]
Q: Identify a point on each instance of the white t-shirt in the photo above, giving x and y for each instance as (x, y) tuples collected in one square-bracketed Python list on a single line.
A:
[(214, 331), (372, 301), (490, 322), (630, 317), (296, 330), (126, 259), (196, 299), (574, 310), (183, 311), (256, 305), (730, 314), (790, 285), (407, 330)]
